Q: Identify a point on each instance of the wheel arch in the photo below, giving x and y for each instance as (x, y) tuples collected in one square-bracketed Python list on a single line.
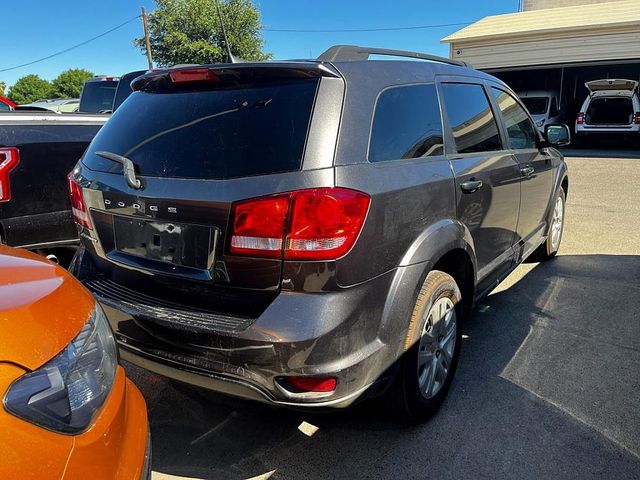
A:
[(445, 246)]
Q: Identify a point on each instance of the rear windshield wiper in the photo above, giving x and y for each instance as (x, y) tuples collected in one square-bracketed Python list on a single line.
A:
[(128, 167)]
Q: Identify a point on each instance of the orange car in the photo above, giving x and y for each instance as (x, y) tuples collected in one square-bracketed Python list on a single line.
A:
[(68, 409)]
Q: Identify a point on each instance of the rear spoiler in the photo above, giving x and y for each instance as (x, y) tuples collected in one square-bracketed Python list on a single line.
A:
[(611, 84), (231, 74)]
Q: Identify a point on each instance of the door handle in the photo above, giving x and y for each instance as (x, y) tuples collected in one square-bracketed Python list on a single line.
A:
[(527, 171), (471, 186)]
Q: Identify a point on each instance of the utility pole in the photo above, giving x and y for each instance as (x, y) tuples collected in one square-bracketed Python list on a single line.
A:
[(146, 37)]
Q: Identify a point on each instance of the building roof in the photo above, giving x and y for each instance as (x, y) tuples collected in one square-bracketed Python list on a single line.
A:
[(565, 19)]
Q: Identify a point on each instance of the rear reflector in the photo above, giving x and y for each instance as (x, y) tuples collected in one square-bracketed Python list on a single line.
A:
[(193, 75), (580, 119), (313, 384), (636, 118), (78, 207), (312, 224), (9, 159)]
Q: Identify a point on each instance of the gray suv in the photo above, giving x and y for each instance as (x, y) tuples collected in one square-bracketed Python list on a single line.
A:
[(304, 232)]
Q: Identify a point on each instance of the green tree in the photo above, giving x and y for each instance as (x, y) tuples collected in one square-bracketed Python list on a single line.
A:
[(3, 85), (188, 31), (30, 88), (69, 83)]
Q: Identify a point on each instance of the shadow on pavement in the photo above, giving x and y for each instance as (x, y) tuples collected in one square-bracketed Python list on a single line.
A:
[(620, 149), (547, 387)]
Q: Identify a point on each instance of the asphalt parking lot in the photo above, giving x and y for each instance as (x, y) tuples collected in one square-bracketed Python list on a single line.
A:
[(547, 385)]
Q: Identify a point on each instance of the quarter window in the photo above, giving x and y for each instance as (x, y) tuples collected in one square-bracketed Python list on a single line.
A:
[(472, 122), (406, 124), (521, 132)]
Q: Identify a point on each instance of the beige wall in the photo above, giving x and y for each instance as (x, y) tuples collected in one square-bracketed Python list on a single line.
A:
[(542, 4)]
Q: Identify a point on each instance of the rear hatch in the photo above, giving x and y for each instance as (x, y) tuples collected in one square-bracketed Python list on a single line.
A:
[(611, 84), (200, 141)]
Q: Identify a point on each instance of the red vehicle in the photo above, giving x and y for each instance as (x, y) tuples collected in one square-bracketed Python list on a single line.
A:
[(6, 104)]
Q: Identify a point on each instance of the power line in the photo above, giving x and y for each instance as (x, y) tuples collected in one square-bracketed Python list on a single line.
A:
[(348, 30), (286, 30), (71, 48)]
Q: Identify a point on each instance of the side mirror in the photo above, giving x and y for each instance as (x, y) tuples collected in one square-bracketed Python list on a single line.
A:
[(557, 135)]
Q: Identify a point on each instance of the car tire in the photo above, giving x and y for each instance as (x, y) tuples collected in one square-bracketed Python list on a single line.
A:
[(431, 350), (550, 247)]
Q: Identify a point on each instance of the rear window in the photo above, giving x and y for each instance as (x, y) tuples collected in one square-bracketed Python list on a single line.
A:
[(215, 134), (536, 105), (406, 124), (97, 96), (610, 111)]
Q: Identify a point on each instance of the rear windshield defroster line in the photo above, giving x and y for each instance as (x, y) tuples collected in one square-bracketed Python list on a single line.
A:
[(212, 134)]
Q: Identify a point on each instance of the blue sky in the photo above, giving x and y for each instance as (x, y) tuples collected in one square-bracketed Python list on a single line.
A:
[(33, 29)]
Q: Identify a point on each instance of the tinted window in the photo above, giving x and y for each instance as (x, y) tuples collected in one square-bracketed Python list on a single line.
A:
[(209, 134), (472, 122), (406, 124), (520, 129), (536, 105), (4, 107), (124, 87), (97, 96)]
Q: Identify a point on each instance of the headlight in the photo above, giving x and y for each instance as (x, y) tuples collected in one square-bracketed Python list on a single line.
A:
[(540, 123), (65, 393)]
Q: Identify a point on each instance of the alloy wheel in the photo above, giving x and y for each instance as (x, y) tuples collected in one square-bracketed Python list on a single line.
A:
[(437, 346), (556, 223)]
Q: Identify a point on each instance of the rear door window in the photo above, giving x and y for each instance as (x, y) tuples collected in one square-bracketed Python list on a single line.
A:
[(210, 134), (520, 130), (471, 119), (406, 124)]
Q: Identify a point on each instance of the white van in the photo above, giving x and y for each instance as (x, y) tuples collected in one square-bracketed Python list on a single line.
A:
[(612, 107), (544, 107)]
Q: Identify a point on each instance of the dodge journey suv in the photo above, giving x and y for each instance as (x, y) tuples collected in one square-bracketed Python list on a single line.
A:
[(306, 232)]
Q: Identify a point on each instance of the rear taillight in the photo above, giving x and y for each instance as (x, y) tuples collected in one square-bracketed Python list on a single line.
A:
[(580, 119), (313, 224), (636, 118), (78, 207), (9, 159), (258, 226)]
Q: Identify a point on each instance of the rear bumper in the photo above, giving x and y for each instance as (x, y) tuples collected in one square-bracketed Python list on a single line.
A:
[(235, 386), (335, 334), (353, 334), (603, 131)]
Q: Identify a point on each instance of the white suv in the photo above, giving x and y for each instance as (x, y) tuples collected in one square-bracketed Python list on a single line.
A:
[(612, 107)]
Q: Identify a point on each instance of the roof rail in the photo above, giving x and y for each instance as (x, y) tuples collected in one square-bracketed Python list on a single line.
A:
[(351, 53)]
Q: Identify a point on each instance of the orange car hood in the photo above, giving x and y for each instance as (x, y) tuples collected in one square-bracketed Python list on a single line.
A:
[(42, 308)]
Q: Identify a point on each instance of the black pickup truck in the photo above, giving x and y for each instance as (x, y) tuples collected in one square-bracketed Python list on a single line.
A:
[(37, 151)]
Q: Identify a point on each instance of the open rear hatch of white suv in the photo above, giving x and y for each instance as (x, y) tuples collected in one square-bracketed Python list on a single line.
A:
[(610, 104)]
